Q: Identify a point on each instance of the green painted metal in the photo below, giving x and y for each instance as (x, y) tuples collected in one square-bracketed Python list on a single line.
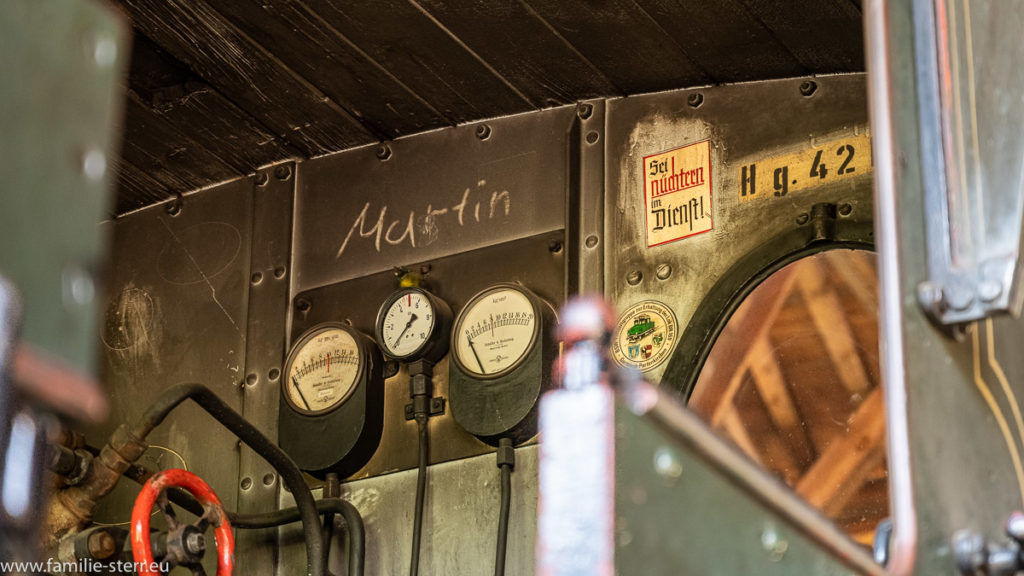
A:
[(61, 63), (677, 512)]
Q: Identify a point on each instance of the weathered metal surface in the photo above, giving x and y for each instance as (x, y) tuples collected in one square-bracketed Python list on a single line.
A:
[(969, 130), (460, 520), (455, 279), (258, 483), (946, 474), (585, 208), (746, 124), (670, 467), (58, 164), (439, 193), (178, 313)]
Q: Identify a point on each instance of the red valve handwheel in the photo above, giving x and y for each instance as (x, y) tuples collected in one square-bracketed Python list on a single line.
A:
[(214, 514)]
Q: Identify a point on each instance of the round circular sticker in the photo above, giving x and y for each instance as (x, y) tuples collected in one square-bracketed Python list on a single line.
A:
[(645, 335)]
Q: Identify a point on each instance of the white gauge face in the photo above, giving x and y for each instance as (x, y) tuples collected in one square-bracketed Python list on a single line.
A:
[(323, 372), (407, 324), (495, 331)]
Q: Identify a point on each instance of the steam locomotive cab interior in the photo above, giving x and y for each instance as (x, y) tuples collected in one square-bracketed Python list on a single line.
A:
[(533, 287)]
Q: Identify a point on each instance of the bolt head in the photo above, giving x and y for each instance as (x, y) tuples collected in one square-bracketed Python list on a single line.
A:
[(195, 543), (383, 152)]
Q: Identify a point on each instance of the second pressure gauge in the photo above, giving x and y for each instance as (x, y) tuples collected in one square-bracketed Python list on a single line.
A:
[(495, 331), (413, 324)]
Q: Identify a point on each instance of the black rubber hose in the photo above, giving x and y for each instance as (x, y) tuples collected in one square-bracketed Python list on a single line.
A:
[(506, 461), (506, 504), (421, 489), (252, 437), (355, 529)]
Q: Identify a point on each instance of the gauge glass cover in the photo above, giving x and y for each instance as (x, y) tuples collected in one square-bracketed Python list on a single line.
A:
[(323, 371), (407, 324), (495, 332)]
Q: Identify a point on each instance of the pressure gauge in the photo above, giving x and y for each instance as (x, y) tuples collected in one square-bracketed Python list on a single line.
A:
[(502, 351), (413, 324), (495, 331), (322, 370), (332, 387)]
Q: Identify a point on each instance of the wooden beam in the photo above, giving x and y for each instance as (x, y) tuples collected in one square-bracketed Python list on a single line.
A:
[(771, 386), (847, 463), (857, 273), (831, 323), (715, 391), (733, 426)]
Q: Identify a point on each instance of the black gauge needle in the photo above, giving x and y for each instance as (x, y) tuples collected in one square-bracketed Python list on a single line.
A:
[(412, 318), (475, 355), (299, 390)]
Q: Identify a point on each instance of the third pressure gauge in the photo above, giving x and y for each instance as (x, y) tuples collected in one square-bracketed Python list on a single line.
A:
[(413, 324), (502, 352), (495, 331)]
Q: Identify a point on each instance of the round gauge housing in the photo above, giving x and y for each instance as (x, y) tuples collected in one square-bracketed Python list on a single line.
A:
[(496, 331), (323, 369), (413, 324), (332, 388)]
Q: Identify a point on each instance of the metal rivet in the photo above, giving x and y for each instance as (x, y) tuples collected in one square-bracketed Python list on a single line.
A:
[(555, 247), (695, 100), (174, 206), (634, 277), (591, 241), (593, 137), (989, 290), (808, 87), (256, 278), (279, 272), (667, 464), (845, 209), (283, 172), (94, 164), (383, 152), (584, 110), (483, 131), (303, 305), (251, 379), (775, 546), (246, 483), (262, 179), (274, 374), (663, 271), (803, 218), (268, 480), (104, 52)]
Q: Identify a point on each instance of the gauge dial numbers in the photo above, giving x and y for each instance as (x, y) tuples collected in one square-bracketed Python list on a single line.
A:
[(412, 324), (322, 370), (495, 331)]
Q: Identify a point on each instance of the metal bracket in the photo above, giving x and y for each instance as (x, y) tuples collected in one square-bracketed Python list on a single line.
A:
[(437, 408)]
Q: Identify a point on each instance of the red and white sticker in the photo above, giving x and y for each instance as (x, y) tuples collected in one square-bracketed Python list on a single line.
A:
[(677, 193)]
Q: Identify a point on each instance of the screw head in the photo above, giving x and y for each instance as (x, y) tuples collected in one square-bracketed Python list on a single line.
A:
[(695, 100), (845, 209), (591, 241), (483, 131), (268, 479), (803, 218), (195, 543), (283, 172), (273, 374), (279, 272), (663, 271), (256, 278), (246, 483), (251, 379), (303, 305), (383, 152), (262, 179), (593, 137), (584, 110), (101, 545), (634, 277), (555, 247), (808, 88), (173, 208)]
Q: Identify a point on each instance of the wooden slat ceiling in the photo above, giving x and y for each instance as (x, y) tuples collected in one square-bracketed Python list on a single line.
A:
[(218, 88)]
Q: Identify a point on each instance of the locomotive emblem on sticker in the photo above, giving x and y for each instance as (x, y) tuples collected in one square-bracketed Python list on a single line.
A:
[(645, 335), (677, 193)]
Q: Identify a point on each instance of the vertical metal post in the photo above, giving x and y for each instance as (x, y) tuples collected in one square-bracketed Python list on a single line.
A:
[(273, 193), (585, 201)]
